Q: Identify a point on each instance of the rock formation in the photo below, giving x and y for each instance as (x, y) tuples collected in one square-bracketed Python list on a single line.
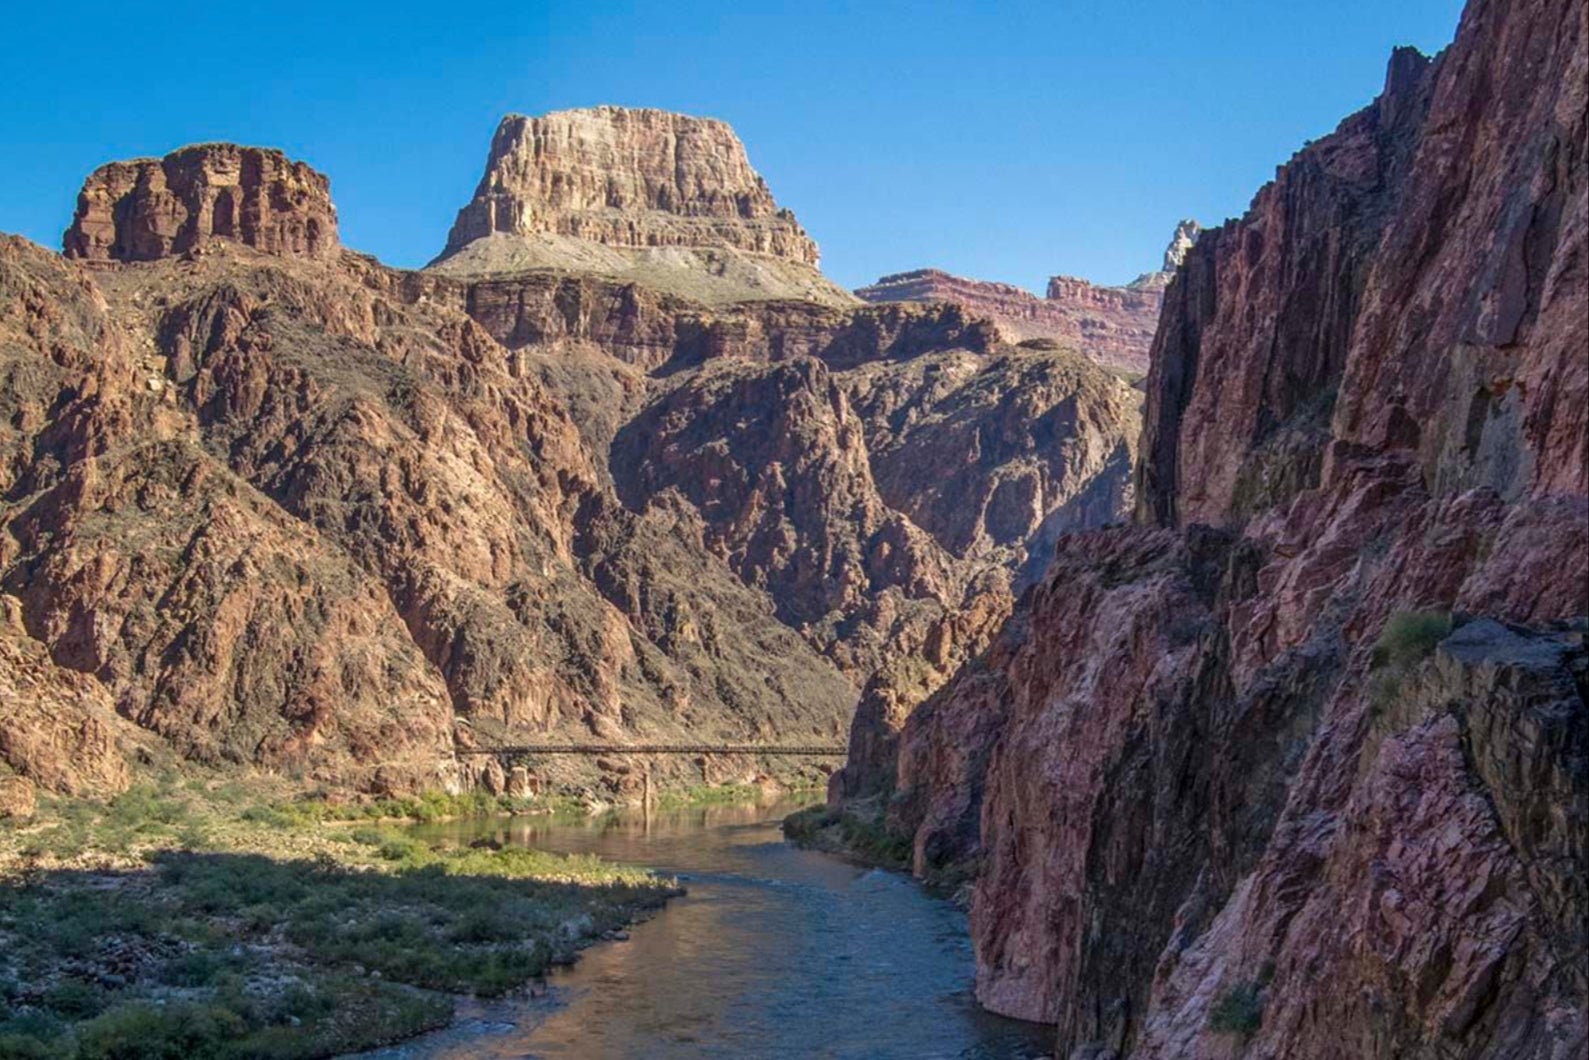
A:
[(152, 208), (1111, 325), (665, 199), (1181, 243), (268, 501), (1299, 764)]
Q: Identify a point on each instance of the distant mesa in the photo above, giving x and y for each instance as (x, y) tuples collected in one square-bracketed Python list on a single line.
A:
[(659, 198), (1111, 325), (152, 208)]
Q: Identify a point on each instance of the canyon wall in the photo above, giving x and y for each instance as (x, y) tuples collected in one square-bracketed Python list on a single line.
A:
[(267, 501), (1111, 325), (1298, 765)]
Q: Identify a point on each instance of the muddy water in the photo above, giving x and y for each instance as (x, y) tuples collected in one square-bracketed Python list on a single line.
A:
[(775, 952)]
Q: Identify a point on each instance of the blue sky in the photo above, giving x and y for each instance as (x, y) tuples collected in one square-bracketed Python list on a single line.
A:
[(1006, 141)]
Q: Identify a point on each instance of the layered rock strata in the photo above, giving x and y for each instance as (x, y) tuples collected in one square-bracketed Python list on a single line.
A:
[(300, 510), (1111, 325), (1251, 777), (153, 208), (664, 199)]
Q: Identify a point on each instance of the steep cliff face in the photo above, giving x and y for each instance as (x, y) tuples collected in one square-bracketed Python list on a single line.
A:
[(664, 199), (1113, 326), (1299, 765), (1254, 338), (627, 178), (155, 207)]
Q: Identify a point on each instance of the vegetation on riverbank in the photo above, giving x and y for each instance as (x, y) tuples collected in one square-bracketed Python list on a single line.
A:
[(853, 835), (191, 919), (860, 833)]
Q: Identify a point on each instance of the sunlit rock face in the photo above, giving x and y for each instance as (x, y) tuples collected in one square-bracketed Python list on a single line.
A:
[(1112, 326), (666, 200), (1250, 775), (271, 503), (628, 178), (152, 208)]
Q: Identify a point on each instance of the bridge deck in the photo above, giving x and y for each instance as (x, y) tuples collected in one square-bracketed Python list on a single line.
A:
[(807, 750)]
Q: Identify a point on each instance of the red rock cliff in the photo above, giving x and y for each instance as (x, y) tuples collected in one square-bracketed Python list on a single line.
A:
[(151, 208), (1296, 766), (1111, 325)]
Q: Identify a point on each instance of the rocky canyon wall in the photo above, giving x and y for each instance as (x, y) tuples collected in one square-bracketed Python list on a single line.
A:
[(1113, 326), (1299, 764), (267, 501)]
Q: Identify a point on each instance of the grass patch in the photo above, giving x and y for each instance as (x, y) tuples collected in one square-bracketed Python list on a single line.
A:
[(429, 807), (183, 921), (1409, 637), (709, 795), (866, 839)]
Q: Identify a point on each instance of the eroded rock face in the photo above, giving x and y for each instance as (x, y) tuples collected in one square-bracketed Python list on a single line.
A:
[(1227, 799), (308, 512), (152, 208), (1111, 325), (1181, 243), (58, 730), (665, 200), (628, 178)]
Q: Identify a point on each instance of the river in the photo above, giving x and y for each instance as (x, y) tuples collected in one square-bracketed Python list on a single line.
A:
[(774, 952)]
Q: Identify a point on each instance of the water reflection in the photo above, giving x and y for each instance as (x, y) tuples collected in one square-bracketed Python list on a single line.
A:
[(775, 952)]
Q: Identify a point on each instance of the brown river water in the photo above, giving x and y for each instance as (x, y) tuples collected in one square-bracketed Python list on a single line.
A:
[(775, 952)]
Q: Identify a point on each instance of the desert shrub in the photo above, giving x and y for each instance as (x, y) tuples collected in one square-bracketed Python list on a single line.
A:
[(1409, 637), (1239, 1010), (866, 838), (140, 1031), (73, 999), (15, 1045)]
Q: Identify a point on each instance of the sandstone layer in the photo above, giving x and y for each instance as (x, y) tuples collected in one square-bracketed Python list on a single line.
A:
[(1111, 325), (663, 199), (1299, 764)]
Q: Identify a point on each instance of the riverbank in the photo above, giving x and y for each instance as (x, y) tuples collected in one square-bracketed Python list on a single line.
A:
[(860, 833), (776, 951), (201, 919)]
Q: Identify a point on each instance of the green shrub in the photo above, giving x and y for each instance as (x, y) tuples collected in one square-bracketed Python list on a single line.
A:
[(141, 1031), (73, 999), (18, 1046), (866, 838), (1409, 637), (1239, 1010)]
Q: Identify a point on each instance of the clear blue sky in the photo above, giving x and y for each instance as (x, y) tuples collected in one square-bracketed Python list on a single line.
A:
[(1006, 141)]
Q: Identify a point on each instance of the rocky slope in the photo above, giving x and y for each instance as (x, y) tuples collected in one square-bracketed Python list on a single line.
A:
[(1111, 325), (275, 503), (1299, 765), (663, 199)]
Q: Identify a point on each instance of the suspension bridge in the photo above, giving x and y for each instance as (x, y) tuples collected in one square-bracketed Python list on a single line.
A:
[(802, 750)]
